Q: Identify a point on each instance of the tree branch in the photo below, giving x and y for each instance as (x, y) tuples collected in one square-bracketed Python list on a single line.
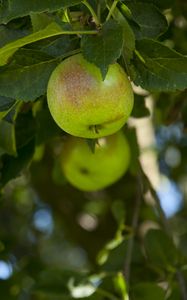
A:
[(135, 218)]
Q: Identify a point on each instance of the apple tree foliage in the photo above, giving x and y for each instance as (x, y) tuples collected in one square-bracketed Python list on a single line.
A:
[(55, 241)]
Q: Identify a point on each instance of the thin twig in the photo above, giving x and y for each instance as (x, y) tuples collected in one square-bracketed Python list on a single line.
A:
[(135, 218), (161, 213), (79, 32), (112, 9)]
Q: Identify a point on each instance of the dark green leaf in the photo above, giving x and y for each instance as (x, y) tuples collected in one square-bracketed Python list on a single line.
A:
[(7, 128), (7, 35), (44, 120), (135, 151), (129, 38), (91, 144), (26, 82), (25, 128), (17, 8), (40, 21), (103, 49), (160, 250), (6, 103), (139, 108), (118, 211), (160, 3), (149, 22), (57, 174), (159, 68), (60, 46), (7, 137), (53, 29), (147, 291), (28, 57), (12, 166)]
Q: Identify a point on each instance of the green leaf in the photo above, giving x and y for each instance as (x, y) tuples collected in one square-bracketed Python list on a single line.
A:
[(160, 250), (159, 68), (120, 286), (128, 35), (8, 50), (25, 128), (147, 291), (160, 3), (149, 22), (91, 144), (26, 82), (139, 108), (118, 211), (8, 35), (104, 48), (61, 46), (12, 166), (44, 120), (7, 137), (28, 57), (7, 127), (6, 104), (17, 8), (40, 21)]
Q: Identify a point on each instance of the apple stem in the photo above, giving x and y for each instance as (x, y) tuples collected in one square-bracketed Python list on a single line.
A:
[(111, 10), (96, 20), (96, 129)]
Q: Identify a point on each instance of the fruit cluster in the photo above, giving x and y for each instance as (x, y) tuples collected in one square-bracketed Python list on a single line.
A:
[(86, 106)]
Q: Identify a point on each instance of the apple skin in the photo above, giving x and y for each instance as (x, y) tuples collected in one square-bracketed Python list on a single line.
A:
[(90, 171), (84, 105)]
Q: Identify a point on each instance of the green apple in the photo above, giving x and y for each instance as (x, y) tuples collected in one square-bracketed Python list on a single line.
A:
[(90, 171), (85, 105)]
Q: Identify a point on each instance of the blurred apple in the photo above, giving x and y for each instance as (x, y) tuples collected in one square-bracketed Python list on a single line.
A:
[(85, 105), (90, 171)]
